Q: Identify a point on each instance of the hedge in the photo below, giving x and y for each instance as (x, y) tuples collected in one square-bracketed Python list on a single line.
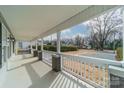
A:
[(53, 48), (119, 53), (49, 47), (68, 48)]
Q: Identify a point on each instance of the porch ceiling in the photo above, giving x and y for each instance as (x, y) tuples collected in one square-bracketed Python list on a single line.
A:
[(30, 22)]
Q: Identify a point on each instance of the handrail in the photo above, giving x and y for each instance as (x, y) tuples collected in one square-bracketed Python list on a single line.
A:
[(99, 61), (94, 71), (52, 52), (47, 56), (88, 59)]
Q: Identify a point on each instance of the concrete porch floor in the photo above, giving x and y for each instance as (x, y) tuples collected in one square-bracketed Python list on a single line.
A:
[(25, 71)]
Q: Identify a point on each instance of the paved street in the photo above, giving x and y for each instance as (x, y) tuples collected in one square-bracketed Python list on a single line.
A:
[(109, 56), (106, 54)]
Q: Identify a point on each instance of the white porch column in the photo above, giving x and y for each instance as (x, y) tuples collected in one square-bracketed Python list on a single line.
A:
[(41, 44), (31, 47), (16, 47), (58, 42), (36, 45)]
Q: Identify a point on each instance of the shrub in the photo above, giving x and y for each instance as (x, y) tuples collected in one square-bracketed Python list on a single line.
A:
[(49, 47), (33, 47), (68, 48), (39, 47), (119, 53), (53, 48)]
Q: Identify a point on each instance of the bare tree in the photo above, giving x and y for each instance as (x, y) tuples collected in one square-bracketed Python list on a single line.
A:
[(104, 26), (68, 41), (79, 41)]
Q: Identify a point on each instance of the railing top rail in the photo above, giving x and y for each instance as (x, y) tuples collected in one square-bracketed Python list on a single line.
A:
[(52, 52), (93, 60), (88, 59)]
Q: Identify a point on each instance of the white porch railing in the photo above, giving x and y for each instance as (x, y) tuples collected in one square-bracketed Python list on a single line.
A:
[(89, 69), (92, 70), (47, 57)]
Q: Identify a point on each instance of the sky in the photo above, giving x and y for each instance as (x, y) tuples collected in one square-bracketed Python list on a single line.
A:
[(80, 29)]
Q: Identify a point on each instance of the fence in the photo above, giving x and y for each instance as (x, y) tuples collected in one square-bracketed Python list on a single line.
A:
[(92, 70)]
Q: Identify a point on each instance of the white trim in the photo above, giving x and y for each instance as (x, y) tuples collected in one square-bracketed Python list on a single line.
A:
[(42, 44), (51, 52), (80, 17), (36, 45), (94, 60), (31, 47), (58, 42), (118, 71), (3, 70)]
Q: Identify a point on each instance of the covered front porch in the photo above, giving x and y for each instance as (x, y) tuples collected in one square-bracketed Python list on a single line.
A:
[(37, 69), (25, 71)]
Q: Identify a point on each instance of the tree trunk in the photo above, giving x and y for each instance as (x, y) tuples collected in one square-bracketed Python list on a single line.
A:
[(101, 46)]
